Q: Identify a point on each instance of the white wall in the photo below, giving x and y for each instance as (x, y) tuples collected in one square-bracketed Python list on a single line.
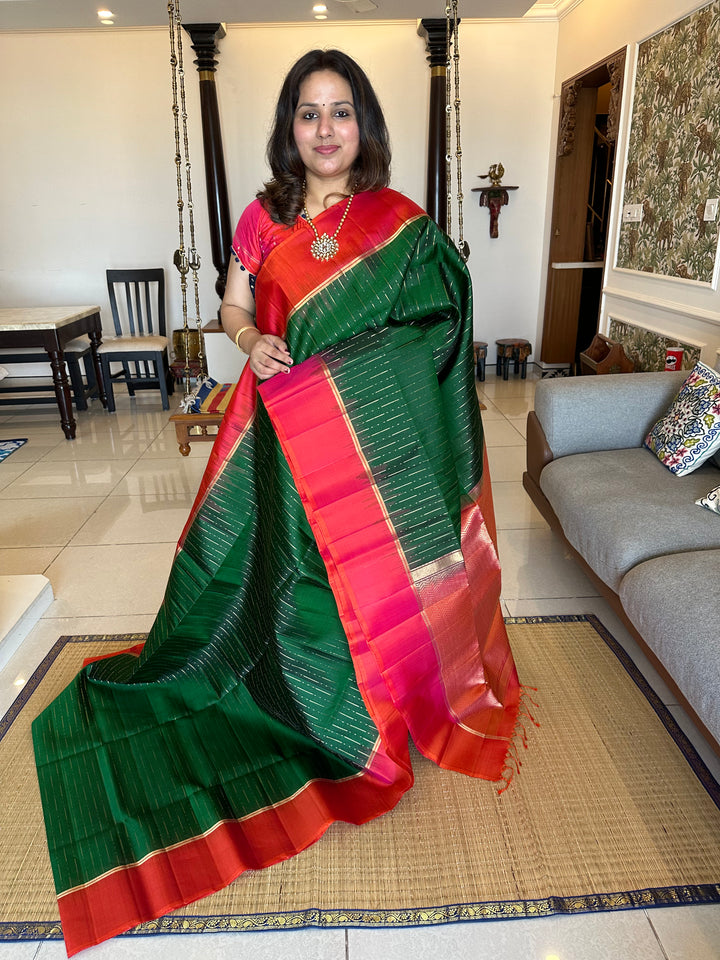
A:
[(507, 103), (596, 28), (593, 30), (89, 180)]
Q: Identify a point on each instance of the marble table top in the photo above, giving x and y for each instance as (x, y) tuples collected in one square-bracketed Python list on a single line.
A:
[(42, 318)]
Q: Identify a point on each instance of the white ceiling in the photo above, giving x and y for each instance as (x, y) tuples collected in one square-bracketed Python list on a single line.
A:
[(82, 14)]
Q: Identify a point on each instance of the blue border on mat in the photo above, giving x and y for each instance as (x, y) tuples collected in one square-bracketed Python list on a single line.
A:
[(694, 894)]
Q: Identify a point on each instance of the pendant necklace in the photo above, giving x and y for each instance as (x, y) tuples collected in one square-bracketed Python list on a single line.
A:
[(325, 247)]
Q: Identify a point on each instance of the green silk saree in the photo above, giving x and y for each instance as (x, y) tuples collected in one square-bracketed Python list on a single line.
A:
[(336, 588)]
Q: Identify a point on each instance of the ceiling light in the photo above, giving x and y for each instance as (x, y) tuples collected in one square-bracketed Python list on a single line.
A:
[(321, 16), (108, 23), (104, 14), (319, 8)]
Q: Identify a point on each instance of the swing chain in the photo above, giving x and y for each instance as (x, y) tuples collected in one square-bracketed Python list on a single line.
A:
[(185, 261), (452, 85)]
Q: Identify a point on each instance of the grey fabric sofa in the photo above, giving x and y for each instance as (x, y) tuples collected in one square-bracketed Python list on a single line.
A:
[(634, 526)]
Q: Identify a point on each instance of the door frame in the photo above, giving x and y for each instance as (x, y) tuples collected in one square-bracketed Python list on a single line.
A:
[(576, 126)]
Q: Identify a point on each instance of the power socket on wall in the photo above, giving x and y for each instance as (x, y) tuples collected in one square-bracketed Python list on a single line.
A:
[(632, 213), (711, 209)]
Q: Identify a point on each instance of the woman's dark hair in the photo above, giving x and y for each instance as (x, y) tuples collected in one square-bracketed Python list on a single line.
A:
[(282, 196)]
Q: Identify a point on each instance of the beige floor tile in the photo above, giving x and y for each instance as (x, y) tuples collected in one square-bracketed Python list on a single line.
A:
[(144, 519), (306, 944), (145, 417), (506, 463), (109, 447), (535, 565), (495, 386), (71, 479), (151, 477), (31, 413), (109, 580), (604, 936), (16, 561), (515, 408), (490, 412), (46, 432), (514, 510), (44, 635), (43, 522), (35, 449), (520, 424), (165, 446), (501, 433), (688, 933), (10, 472), (18, 951)]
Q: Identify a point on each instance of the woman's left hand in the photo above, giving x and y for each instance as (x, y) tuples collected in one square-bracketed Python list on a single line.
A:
[(269, 355)]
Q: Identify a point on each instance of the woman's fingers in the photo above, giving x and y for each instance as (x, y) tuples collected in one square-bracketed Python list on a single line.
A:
[(269, 356)]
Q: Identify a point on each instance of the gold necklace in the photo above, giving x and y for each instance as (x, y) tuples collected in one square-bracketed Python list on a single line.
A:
[(325, 247)]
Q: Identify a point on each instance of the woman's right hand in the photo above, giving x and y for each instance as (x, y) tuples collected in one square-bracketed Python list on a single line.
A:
[(268, 355)]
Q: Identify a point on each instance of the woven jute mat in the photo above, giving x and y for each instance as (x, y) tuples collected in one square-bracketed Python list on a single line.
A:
[(612, 809)]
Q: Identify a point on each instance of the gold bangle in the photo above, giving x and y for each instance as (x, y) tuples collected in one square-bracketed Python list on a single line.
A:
[(240, 331)]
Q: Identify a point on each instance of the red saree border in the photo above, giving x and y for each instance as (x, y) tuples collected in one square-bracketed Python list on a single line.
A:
[(392, 626), (170, 878)]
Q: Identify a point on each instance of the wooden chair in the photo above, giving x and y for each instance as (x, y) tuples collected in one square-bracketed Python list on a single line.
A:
[(140, 344), (74, 351)]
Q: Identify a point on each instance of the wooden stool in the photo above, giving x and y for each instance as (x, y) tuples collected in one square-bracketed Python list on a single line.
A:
[(480, 353), (516, 350), (177, 369), (190, 427)]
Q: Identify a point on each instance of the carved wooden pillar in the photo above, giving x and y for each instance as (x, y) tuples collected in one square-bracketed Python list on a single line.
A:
[(204, 37), (568, 117), (616, 69), (434, 32)]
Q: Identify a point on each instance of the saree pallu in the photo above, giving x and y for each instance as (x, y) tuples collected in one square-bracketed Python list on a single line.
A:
[(336, 587)]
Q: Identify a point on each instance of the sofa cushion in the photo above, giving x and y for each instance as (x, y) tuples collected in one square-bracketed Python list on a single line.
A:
[(620, 507), (689, 433), (672, 603), (711, 500), (579, 414)]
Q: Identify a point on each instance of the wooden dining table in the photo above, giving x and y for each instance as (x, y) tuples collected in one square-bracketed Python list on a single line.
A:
[(51, 328)]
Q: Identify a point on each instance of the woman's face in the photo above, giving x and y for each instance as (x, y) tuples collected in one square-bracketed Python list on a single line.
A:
[(325, 129)]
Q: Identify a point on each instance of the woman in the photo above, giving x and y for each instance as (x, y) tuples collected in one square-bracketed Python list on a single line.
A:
[(337, 583)]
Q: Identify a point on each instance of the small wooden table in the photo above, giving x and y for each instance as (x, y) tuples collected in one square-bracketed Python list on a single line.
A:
[(51, 328), (193, 427)]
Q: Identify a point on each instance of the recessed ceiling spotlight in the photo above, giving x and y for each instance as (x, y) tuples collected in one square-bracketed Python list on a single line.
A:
[(321, 16), (105, 14), (108, 23), (319, 8)]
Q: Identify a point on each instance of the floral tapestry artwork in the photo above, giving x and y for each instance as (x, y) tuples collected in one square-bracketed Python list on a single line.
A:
[(648, 349), (673, 164)]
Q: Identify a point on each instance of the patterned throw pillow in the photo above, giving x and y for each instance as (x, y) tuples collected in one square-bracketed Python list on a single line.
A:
[(711, 501), (689, 433)]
